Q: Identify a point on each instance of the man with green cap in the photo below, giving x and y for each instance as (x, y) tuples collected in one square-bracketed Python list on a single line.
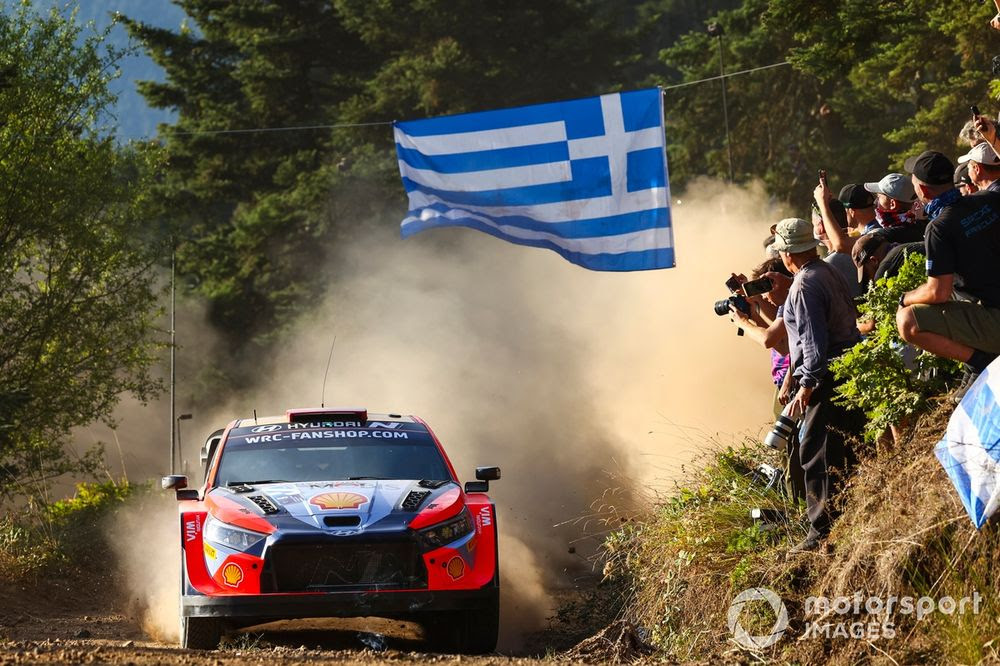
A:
[(820, 319)]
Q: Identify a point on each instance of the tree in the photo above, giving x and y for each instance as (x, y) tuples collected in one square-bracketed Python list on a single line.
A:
[(254, 212), (243, 205), (76, 266), (869, 84)]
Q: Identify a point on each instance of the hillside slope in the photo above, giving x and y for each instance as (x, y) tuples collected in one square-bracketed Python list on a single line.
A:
[(903, 534)]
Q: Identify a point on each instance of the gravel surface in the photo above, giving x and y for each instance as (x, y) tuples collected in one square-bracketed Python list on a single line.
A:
[(54, 622)]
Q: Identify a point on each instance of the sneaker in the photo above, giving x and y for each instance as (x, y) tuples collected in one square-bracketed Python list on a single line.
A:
[(807, 545), (968, 379)]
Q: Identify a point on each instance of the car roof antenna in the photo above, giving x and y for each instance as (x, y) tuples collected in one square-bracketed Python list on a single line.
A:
[(255, 417), (322, 397)]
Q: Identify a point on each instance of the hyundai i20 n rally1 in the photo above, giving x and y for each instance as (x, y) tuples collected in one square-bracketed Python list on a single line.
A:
[(337, 513)]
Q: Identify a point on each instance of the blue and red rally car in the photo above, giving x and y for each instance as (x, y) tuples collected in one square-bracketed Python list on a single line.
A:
[(337, 513)]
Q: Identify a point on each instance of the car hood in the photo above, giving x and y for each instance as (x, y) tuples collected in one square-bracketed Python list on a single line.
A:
[(327, 505)]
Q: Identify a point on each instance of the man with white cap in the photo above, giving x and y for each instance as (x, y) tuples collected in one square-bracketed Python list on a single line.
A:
[(820, 319), (894, 198), (984, 167)]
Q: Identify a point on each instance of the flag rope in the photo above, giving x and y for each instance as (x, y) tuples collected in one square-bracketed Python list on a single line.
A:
[(302, 128)]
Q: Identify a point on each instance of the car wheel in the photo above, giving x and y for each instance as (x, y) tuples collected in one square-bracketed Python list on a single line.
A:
[(481, 628), (472, 631), (200, 633)]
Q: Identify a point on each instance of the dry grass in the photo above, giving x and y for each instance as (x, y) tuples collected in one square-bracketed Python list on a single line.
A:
[(903, 532)]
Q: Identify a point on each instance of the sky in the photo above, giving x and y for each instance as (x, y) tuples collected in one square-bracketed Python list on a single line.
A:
[(135, 120)]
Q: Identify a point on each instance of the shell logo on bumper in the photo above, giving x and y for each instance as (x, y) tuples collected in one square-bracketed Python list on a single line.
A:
[(339, 500), (232, 574), (456, 568)]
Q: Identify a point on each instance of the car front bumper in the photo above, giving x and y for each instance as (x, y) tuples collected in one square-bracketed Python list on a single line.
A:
[(280, 606)]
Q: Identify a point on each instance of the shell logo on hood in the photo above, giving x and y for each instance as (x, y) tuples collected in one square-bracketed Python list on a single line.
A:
[(338, 500)]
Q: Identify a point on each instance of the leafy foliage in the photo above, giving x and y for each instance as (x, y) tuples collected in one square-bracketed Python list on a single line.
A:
[(76, 297), (869, 84), (63, 535), (878, 379)]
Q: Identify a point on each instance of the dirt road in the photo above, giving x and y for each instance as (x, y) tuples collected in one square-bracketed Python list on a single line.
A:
[(85, 622)]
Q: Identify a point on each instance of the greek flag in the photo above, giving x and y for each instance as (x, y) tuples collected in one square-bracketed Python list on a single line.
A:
[(585, 178), (970, 449)]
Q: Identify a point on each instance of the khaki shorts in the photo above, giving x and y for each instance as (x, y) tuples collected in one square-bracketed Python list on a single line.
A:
[(971, 324)]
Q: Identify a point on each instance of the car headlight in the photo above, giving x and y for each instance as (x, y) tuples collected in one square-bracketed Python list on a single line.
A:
[(449, 530), (229, 536)]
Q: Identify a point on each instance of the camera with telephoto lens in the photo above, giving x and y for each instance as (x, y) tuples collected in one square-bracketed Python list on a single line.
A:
[(783, 429), (738, 301)]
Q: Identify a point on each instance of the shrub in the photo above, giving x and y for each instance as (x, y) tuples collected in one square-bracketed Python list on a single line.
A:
[(877, 378)]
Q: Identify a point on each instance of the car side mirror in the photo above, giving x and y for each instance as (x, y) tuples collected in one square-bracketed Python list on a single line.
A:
[(178, 483), (485, 475), (488, 473), (174, 482)]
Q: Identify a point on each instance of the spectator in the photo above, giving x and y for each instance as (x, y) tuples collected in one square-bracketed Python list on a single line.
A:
[(860, 206), (983, 166), (970, 135), (820, 322), (963, 253), (773, 336), (768, 331), (893, 200), (963, 182), (830, 227), (867, 255)]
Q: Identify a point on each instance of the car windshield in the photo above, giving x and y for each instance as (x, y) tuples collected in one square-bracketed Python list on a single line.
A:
[(312, 452)]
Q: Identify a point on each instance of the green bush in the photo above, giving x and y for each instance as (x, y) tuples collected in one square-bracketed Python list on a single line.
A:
[(876, 378), (53, 538), (91, 499)]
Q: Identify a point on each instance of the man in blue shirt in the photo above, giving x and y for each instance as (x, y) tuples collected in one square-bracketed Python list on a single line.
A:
[(820, 318)]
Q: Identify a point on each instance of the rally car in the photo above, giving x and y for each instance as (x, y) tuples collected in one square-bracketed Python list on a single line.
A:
[(337, 513)]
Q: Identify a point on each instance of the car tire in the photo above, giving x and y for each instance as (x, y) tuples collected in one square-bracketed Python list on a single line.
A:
[(472, 631), (200, 633), (481, 628)]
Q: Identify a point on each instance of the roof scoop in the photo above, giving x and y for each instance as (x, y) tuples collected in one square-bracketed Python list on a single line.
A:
[(307, 415)]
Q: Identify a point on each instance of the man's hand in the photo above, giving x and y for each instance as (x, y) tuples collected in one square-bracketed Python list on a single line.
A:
[(800, 402), (780, 280), (995, 22), (821, 193), (744, 318)]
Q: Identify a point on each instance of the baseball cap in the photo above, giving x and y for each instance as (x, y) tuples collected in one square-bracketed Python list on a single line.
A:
[(982, 153), (794, 234), (895, 186), (856, 196), (931, 167), (962, 175)]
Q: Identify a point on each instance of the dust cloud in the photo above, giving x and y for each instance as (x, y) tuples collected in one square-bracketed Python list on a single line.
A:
[(146, 545), (572, 381)]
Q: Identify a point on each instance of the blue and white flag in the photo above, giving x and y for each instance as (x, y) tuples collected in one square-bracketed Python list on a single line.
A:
[(970, 449), (585, 178)]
